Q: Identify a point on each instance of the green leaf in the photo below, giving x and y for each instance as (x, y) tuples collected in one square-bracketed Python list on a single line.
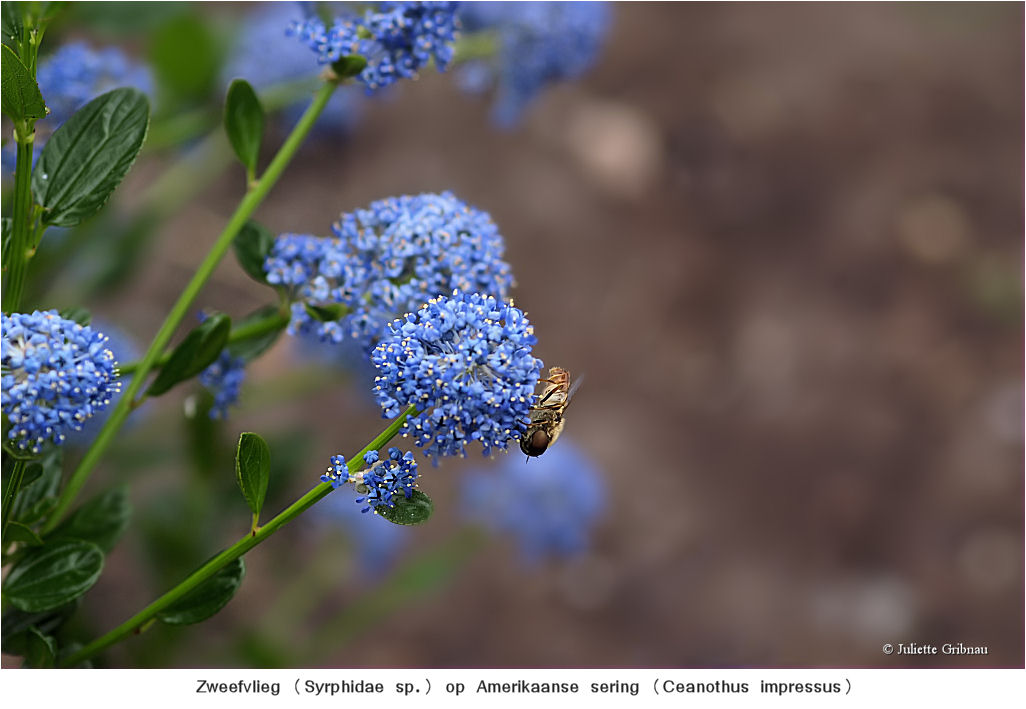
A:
[(18, 532), (29, 474), (206, 599), (33, 471), (102, 520), (88, 156), (16, 623), (37, 499), (349, 66), (244, 123), (416, 510), (185, 58), (253, 470), (252, 347), (325, 313), (40, 650), (198, 351), (252, 245), (77, 314), (19, 93), (11, 24), (53, 574)]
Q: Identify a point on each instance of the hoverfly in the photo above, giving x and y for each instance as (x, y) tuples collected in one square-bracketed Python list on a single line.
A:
[(547, 415)]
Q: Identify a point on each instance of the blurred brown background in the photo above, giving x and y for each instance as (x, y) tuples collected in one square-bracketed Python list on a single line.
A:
[(785, 244)]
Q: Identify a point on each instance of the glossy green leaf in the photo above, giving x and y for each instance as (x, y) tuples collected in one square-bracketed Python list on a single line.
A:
[(101, 520), (19, 93), (415, 510), (198, 351), (253, 470), (252, 347), (40, 650), (244, 122), (252, 245), (18, 532), (77, 314), (53, 574), (88, 156), (206, 599)]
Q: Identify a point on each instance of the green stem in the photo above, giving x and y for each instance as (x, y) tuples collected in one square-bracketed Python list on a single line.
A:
[(254, 196), (248, 331), (230, 554), (17, 254), (13, 485)]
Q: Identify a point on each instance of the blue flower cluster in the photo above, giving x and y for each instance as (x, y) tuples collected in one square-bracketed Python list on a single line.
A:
[(74, 75), (386, 261), (397, 39), (550, 504), (465, 363), (224, 379), (56, 374), (264, 56), (381, 482), (540, 43)]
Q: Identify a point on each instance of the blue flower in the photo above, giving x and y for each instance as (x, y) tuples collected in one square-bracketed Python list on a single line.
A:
[(379, 484), (550, 504), (465, 363), (56, 374), (224, 379), (73, 76), (397, 39), (540, 43), (386, 261), (265, 56)]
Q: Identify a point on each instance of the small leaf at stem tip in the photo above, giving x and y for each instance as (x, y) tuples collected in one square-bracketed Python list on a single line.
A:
[(18, 90), (197, 351), (206, 599), (53, 574), (89, 155), (253, 470), (252, 245), (349, 66), (244, 122), (416, 510)]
